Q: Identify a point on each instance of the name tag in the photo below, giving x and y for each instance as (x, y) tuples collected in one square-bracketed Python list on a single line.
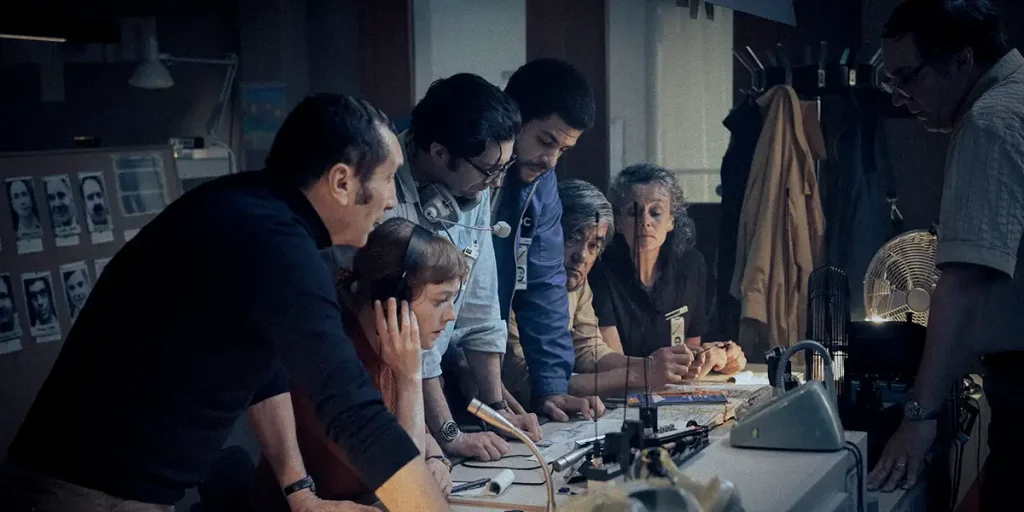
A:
[(677, 324), (472, 253), (521, 258)]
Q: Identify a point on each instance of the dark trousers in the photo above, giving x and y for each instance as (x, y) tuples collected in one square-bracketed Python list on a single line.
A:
[(1004, 390), (22, 490)]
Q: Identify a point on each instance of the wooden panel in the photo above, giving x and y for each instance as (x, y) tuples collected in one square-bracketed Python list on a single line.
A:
[(577, 31), (386, 54), (23, 372)]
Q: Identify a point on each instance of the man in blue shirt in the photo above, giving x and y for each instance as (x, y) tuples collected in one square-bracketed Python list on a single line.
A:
[(556, 105)]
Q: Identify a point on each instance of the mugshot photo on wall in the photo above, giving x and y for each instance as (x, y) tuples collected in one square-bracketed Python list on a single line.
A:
[(42, 309), (63, 214), (21, 200), (93, 189), (10, 324), (77, 286)]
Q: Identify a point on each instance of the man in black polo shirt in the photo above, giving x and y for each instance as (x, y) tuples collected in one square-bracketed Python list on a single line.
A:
[(155, 372)]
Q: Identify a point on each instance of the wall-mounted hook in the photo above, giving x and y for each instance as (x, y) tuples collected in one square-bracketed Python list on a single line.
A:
[(783, 59), (822, 64)]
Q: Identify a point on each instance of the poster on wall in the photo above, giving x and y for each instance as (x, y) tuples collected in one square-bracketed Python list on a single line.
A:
[(140, 184), (93, 190), (21, 200), (10, 324), (42, 308), (263, 108), (63, 213), (77, 286)]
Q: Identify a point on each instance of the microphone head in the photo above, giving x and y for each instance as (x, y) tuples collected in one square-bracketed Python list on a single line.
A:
[(502, 229)]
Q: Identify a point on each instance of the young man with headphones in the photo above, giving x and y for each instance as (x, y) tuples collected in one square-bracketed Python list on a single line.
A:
[(556, 105), (459, 145)]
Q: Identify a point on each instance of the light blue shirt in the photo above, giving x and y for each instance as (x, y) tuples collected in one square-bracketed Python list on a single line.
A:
[(478, 325)]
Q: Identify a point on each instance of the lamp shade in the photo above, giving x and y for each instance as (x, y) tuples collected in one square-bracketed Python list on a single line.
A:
[(151, 75)]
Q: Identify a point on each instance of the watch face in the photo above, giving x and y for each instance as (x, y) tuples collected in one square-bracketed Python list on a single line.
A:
[(449, 431), (912, 410)]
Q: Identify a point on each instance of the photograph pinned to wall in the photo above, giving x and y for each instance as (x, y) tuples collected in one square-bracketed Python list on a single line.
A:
[(42, 310), (21, 198), (63, 214), (100, 264), (140, 184), (77, 286), (93, 189), (10, 324)]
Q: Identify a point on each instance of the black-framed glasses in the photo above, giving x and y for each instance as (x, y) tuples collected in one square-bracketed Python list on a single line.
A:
[(897, 86), (494, 172)]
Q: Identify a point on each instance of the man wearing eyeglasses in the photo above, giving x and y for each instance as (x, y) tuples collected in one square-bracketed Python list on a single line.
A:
[(950, 64), (460, 139)]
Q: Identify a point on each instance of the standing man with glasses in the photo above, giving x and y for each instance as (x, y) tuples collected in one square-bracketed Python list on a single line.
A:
[(951, 66), (460, 138)]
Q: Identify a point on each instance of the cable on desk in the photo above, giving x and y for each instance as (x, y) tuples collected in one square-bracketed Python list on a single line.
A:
[(859, 460), (486, 465)]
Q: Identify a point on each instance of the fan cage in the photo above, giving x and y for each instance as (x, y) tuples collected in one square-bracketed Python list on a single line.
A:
[(904, 265), (828, 318)]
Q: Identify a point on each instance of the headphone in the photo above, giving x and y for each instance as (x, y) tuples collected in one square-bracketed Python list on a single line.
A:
[(414, 254), (440, 207)]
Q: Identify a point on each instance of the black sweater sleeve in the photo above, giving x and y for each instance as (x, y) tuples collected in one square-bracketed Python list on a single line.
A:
[(295, 309)]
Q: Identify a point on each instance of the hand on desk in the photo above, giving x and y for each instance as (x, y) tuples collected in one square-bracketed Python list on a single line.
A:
[(726, 358), (441, 475), (670, 366), (559, 407), (482, 446), (903, 457), (527, 422)]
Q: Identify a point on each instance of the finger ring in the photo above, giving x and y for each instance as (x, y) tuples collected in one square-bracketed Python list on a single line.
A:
[(901, 464)]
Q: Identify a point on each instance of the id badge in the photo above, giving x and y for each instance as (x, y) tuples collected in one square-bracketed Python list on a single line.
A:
[(472, 253), (677, 325), (521, 259)]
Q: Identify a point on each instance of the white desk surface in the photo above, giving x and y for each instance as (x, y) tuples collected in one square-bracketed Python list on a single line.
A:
[(770, 481)]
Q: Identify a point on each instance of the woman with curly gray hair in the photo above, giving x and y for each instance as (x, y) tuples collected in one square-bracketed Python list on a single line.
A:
[(650, 284)]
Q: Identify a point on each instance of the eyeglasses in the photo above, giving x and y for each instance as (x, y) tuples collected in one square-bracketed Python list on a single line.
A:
[(494, 172), (896, 86)]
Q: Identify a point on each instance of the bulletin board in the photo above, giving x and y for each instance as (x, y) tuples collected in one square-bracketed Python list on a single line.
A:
[(63, 215)]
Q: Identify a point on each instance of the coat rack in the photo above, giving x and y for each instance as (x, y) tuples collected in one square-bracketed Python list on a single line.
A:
[(813, 77)]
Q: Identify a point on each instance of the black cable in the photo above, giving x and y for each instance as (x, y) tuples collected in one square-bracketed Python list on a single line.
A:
[(859, 462)]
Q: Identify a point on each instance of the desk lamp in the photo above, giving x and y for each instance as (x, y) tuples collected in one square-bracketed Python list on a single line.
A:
[(152, 73), (492, 418)]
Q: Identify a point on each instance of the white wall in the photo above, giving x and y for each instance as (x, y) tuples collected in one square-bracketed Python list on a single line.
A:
[(486, 37), (628, 82), (670, 87)]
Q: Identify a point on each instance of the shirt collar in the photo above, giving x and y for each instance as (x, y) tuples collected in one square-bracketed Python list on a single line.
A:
[(1007, 66)]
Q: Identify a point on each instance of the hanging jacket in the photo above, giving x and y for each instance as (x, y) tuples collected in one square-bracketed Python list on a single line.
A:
[(744, 122), (782, 227), (858, 216)]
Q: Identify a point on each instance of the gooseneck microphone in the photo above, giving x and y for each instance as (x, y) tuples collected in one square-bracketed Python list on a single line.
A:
[(500, 230), (492, 418)]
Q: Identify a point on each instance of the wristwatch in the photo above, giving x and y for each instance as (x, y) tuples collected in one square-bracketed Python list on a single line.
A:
[(449, 432), (914, 411), (305, 483), (498, 406)]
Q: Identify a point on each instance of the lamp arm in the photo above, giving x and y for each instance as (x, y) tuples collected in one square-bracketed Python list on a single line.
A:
[(492, 418), (231, 60)]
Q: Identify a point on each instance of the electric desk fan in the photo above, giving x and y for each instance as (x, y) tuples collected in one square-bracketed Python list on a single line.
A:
[(886, 348)]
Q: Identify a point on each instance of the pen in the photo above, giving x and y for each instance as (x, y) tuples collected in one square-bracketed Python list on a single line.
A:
[(470, 485)]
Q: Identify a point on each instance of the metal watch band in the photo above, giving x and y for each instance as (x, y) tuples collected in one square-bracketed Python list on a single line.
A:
[(305, 483), (914, 411), (449, 432)]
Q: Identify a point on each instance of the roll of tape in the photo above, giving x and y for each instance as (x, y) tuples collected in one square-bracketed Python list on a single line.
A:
[(501, 482)]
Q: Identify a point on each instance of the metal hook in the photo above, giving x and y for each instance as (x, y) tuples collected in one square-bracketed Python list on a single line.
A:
[(783, 58), (822, 63)]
